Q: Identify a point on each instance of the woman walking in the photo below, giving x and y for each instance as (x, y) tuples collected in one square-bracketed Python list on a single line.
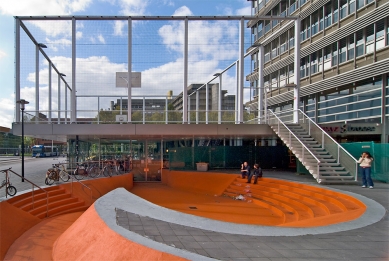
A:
[(365, 165)]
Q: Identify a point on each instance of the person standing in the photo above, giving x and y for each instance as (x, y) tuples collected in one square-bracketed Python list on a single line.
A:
[(257, 172), (245, 170), (365, 165)]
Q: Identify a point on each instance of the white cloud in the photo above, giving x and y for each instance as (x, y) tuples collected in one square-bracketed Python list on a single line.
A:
[(133, 7), (118, 28), (2, 54), (101, 39), (43, 7), (7, 108), (183, 11), (244, 11)]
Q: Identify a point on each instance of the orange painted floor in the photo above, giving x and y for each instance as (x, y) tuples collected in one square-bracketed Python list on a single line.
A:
[(325, 207), (37, 243)]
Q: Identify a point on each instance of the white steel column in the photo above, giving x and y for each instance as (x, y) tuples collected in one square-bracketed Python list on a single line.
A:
[(219, 102), (188, 109), (59, 98), (237, 92), (184, 91), (144, 110), (296, 96), (262, 103), (206, 102), (129, 79), (66, 103), (36, 83), (241, 71), (197, 106), (17, 69), (384, 120), (166, 111), (73, 100), (50, 91)]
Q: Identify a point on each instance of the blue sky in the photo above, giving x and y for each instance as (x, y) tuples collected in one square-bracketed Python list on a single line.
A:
[(159, 65)]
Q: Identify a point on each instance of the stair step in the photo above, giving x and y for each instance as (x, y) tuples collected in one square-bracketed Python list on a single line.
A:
[(334, 172), (66, 208), (37, 196), (37, 203), (52, 205)]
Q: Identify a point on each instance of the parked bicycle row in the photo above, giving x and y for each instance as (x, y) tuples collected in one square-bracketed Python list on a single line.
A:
[(83, 170)]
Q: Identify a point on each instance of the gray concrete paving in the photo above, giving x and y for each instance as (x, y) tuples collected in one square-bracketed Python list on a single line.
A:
[(197, 238)]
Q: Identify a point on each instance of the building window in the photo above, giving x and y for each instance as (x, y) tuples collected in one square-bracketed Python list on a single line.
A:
[(267, 52), (321, 19), (283, 42), (274, 51), (314, 63), (267, 26), (292, 7), (335, 12), (320, 63), (291, 38), (360, 48), (291, 73), (334, 54), (380, 34), (327, 57), (351, 6), (315, 22), (360, 3), (343, 8), (342, 50), (350, 47), (275, 12), (370, 38), (327, 15)]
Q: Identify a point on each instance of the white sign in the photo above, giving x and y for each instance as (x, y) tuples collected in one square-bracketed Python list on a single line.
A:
[(122, 82)]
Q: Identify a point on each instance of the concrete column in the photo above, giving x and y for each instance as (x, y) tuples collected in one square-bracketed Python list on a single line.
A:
[(73, 100), (206, 102), (129, 62), (197, 106), (219, 102), (184, 91), (296, 98), (241, 71), (36, 83), (50, 91), (59, 99), (262, 111)]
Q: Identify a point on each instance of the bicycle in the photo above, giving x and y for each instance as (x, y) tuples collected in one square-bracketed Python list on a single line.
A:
[(10, 190), (84, 170), (55, 173), (108, 169)]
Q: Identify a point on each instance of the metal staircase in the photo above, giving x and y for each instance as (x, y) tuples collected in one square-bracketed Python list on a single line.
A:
[(322, 156)]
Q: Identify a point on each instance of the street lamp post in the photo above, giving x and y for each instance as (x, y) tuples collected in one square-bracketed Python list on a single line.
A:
[(22, 103)]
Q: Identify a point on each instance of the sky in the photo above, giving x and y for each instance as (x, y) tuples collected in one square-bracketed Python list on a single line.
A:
[(211, 48)]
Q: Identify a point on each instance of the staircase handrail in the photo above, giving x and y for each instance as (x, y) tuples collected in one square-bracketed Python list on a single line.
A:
[(73, 178), (33, 184), (313, 155), (334, 141), (325, 133)]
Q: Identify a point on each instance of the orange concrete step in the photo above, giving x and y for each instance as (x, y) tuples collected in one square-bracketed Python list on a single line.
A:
[(37, 203), (53, 205), (65, 208), (19, 202)]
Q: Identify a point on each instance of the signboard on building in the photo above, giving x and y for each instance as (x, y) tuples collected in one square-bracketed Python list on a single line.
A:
[(352, 128)]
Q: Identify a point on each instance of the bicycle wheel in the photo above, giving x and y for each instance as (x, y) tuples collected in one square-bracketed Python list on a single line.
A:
[(78, 175), (94, 172), (11, 190), (51, 178), (64, 176), (107, 171)]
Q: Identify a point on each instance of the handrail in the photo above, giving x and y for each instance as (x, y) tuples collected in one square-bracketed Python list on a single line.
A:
[(334, 141), (33, 184), (325, 133), (291, 133), (71, 176)]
